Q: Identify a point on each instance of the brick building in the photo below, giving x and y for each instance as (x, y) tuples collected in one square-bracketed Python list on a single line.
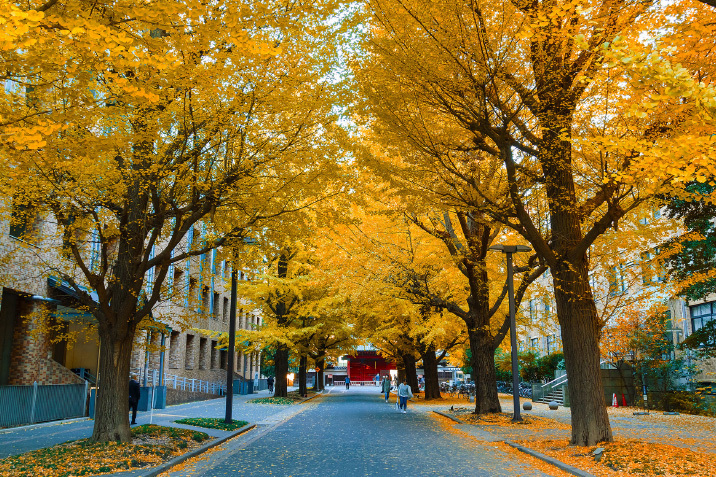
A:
[(37, 311)]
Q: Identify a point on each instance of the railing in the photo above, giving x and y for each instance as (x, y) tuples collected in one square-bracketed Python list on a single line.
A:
[(358, 383), (539, 391), (182, 382), (23, 405), (84, 373)]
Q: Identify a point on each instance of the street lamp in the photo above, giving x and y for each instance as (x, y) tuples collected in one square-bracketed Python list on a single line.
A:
[(508, 250), (228, 418), (232, 336)]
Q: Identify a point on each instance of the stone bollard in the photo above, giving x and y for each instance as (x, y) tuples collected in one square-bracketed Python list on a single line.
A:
[(527, 406), (553, 405)]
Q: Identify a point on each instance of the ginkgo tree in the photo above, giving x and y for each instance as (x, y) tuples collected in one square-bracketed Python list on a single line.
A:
[(153, 133), (578, 108)]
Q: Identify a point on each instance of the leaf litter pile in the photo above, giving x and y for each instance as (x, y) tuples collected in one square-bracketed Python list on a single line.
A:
[(151, 445)]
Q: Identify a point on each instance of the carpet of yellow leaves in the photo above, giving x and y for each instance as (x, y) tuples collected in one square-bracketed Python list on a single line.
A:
[(505, 420), (151, 445), (630, 457)]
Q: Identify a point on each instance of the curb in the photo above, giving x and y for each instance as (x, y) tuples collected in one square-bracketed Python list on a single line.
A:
[(559, 464), (178, 460), (312, 397), (449, 416), (44, 424)]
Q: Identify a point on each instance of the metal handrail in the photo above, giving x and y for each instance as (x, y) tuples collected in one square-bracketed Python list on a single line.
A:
[(541, 390), (183, 383)]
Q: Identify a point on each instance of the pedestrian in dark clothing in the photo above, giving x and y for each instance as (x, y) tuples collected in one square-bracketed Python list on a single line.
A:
[(386, 388), (269, 381), (133, 397), (348, 382)]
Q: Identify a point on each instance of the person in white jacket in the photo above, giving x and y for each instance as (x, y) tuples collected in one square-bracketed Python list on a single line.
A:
[(404, 393)]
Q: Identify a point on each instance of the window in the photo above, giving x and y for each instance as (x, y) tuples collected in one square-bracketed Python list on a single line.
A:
[(617, 284), (214, 356), (174, 350), (534, 343), (178, 279), (22, 220), (205, 299), (532, 311), (226, 310), (702, 314), (216, 307), (189, 354), (204, 353), (651, 269), (224, 358)]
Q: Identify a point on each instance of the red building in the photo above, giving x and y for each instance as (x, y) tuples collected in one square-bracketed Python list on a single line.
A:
[(364, 365)]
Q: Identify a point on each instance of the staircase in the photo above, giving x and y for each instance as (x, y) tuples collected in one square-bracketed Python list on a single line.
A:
[(552, 391), (556, 394)]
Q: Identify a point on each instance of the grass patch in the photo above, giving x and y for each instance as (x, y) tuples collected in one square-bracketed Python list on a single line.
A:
[(291, 398), (272, 400), (212, 423), (151, 445)]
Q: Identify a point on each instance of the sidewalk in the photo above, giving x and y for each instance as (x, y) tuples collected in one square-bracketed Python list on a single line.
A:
[(19, 440)]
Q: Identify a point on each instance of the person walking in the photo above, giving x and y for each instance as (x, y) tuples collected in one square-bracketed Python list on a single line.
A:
[(404, 393), (386, 387), (134, 392), (269, 381), (348, 382)]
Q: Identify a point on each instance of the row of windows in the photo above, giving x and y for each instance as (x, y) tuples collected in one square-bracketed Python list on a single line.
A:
[(549, 344)]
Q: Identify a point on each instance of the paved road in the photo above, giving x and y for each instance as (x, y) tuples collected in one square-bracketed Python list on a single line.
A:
[(355, 433)]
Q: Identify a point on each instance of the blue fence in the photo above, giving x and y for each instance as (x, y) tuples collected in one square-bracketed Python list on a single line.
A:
[(24, 405)]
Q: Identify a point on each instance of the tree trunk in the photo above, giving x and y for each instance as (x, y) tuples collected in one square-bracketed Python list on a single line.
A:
[(483, 372), (411, 374), (302, 386), (430, 368), (401, 371), (578, 319), (320, 364), (281, 365), (111, 422)]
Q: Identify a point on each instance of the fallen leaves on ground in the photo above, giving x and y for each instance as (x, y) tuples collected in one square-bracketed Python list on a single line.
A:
[(505, 420), (212, 423), (151, 445), (449, 426), (629, 457)]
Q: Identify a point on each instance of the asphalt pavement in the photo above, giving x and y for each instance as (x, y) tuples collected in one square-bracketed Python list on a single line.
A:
[(350, 433)]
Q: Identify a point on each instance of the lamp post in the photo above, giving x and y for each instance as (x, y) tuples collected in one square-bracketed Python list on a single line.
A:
[(232, 345), (508, 250)]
